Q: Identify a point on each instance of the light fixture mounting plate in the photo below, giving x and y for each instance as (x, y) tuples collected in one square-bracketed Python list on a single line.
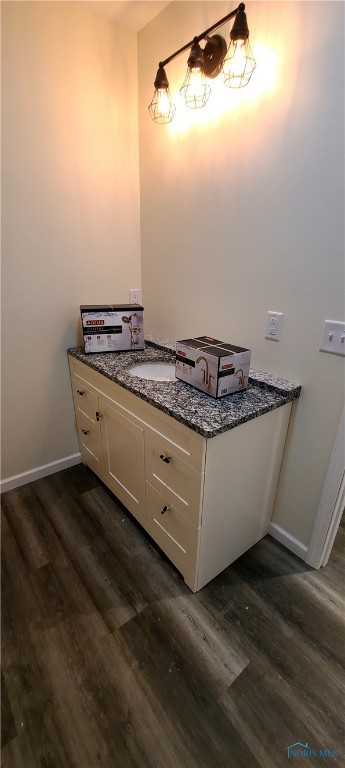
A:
[(214, 54)]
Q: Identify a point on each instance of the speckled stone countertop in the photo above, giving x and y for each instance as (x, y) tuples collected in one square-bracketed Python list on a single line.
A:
[(198, 411)]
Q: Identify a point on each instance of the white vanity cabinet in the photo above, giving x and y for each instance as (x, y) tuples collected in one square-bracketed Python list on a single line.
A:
[(204, 501)]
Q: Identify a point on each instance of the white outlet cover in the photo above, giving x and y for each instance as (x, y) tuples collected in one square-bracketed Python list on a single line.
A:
[(274, 325), (333, 337), (135, 295)]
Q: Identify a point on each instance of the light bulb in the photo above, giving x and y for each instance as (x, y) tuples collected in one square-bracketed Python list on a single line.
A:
[(195, 89), (239, 58), (163, 103)]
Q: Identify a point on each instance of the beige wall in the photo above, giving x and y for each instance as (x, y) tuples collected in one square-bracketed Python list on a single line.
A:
[(242, 212), (70, 208)]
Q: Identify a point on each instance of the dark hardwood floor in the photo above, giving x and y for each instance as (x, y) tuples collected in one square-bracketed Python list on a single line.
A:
[(109, 660)]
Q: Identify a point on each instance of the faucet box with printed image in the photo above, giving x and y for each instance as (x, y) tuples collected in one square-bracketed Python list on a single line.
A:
[(214, 366), (112, 327)]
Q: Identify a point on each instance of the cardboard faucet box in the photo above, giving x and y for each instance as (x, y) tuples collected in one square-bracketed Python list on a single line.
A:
[(112, 327), (214, 366)]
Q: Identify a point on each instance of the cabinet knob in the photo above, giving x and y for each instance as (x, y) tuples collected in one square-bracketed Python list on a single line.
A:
[(98, 415), (164, 510), (85, 431), (166, 459), (80, 392)]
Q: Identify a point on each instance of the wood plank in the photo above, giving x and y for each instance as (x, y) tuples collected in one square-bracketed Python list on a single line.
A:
[(8, 726), (265, 718)]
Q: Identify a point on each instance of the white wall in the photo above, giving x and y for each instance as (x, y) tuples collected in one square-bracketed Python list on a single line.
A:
[(70, 208), (242, 211)]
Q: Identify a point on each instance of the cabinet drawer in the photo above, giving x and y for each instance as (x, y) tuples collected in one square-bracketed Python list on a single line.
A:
[(180, 483), (86, 402), (177, 537), (89, 435)]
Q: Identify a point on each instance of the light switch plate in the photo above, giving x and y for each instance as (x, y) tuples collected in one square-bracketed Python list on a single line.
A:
[(333, 337), (274, 325)]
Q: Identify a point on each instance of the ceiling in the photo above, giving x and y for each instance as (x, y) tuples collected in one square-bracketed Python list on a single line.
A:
[(132, 13)]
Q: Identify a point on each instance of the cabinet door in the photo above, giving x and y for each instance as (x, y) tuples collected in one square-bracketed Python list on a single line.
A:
[(123, 451)]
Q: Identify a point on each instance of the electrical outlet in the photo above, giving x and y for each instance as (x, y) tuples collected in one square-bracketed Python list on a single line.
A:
[(135, 295), (333, 337), (274, 325)]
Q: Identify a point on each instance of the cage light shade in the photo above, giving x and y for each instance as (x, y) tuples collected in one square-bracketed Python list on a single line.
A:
[(162, 108), (239, 64), (195, 89)]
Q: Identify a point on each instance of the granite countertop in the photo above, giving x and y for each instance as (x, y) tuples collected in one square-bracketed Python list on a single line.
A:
[(198, 411)]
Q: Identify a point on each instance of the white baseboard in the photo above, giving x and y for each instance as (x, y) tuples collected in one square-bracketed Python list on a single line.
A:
[(288, 541), (38, 472)]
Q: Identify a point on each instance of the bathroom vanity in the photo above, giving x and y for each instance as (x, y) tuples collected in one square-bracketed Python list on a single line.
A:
[(200, 476)]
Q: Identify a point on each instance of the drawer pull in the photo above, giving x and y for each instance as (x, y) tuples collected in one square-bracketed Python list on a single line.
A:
[(85, 431), (98, 415), (166, 459), (80, 392), (164, 510)]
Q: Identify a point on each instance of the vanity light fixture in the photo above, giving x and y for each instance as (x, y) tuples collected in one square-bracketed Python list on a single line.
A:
[(236, 64)]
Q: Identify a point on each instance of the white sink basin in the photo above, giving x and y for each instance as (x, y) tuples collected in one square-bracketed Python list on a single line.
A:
[(154, 371)]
